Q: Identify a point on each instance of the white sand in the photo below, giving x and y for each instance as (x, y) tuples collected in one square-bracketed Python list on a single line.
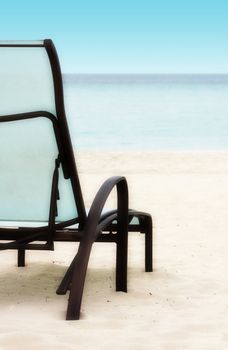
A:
[(183, 304)]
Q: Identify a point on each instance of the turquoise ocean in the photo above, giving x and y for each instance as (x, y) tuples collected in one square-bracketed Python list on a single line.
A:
[(147, 112)]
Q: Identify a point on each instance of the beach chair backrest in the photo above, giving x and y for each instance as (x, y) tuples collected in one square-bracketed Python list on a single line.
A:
[(31, 105)]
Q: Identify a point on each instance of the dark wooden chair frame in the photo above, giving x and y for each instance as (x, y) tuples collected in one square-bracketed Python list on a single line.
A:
[(112, 226)]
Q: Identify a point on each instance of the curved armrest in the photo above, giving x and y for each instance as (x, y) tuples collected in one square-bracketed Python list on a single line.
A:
[(92, 226), (90, 233)]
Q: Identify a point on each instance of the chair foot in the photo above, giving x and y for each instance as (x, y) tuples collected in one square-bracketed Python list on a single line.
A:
[(77, 282), (21, 258)]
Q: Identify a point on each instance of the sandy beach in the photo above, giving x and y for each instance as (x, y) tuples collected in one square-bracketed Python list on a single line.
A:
[(183, 304)]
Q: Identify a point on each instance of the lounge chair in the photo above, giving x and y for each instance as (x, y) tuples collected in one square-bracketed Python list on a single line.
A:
[(41, 199)]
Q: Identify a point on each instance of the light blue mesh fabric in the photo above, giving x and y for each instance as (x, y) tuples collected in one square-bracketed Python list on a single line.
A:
[(27, 159), (26, 82), (28, 147)]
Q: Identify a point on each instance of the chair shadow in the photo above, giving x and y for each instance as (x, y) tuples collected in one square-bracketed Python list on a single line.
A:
[(38, 282)]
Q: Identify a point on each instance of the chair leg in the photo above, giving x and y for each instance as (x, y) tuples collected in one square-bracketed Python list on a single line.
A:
[(66, 281), (121, 261), (21, 258), (148, 244), (77, 283)]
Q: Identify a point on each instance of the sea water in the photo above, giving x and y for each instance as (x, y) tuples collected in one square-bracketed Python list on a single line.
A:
[(147, 112)]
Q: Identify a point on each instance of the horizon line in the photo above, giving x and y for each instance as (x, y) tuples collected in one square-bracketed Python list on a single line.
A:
[(76, 73)]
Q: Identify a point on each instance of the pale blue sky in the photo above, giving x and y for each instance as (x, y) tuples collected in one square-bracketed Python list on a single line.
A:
[(125, 36)]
